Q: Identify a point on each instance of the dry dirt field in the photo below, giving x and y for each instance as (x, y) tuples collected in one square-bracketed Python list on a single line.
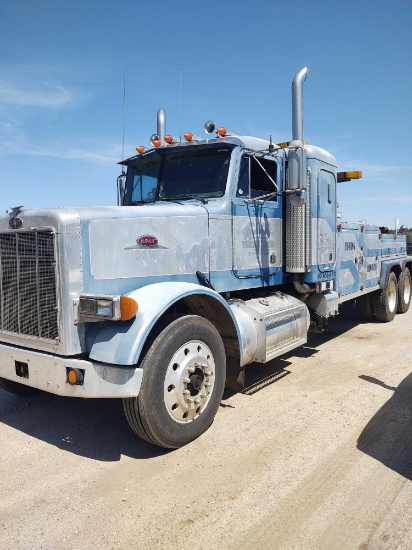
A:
[(316, 454)]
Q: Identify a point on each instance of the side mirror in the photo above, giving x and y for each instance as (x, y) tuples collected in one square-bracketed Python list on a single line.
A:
[(121, 188)]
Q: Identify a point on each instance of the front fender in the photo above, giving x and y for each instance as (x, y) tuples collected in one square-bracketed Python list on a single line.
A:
[(121, 343)]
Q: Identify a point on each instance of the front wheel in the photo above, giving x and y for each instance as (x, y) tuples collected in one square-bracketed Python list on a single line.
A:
[(184, 374)]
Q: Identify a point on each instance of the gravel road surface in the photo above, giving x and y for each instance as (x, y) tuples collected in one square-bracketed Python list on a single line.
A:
[(315, 454)]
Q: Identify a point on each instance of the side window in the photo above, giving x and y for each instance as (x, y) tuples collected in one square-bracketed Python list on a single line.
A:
[(260, 183), (253, 177), (243, 182)]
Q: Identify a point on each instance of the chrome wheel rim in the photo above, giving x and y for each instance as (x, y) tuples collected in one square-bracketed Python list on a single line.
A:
[(189, 381), (406, 290), (392, 295)]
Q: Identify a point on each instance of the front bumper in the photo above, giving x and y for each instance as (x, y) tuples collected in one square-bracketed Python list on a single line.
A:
[(49, 373)]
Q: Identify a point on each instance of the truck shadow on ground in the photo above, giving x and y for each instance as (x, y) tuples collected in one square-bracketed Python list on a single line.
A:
[(388, 435), (93, 428), (97, 428)]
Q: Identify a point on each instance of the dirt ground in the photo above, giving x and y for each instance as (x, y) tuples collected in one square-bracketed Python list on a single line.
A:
[(316, 454)]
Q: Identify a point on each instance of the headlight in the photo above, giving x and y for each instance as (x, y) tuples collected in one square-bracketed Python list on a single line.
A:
[(97, 308), (104, 308)]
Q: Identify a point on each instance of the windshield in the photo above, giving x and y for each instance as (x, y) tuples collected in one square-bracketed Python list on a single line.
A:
[(167, 175)]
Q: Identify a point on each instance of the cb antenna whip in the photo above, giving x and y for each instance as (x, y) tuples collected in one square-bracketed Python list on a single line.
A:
[(124, 114), (180, 100)]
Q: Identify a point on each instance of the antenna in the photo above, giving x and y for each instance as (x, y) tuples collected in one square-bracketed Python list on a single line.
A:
[(180, 137), (124, 114), (122, 178)]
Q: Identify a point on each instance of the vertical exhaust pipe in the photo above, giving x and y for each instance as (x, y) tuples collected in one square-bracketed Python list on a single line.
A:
[(297, 104), (161, 124), (297, 205)]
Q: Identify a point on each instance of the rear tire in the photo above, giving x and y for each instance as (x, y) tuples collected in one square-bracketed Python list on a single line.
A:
[(184, 374), (404, 291), (364, 306), (17, 389), (385, 301)]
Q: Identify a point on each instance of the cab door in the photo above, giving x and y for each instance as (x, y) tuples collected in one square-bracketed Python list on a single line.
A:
[(326, 230), (257, 224)]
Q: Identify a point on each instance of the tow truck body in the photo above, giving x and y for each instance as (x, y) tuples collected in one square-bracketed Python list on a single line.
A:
[(222, 252)]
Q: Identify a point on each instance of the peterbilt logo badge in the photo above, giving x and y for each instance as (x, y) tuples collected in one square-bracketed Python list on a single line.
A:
[(145, 241)]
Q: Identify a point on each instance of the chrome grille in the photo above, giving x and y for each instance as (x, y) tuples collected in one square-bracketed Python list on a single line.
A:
[(28, 295)]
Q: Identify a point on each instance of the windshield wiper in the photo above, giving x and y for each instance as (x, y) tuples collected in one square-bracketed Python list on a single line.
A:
[(179, 197)]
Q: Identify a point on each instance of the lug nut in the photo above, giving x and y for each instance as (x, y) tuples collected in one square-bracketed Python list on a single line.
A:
[(207, 384), (208, 373), (190, 369), (186, 392), (189, 399), (198, 401), (186, 380)]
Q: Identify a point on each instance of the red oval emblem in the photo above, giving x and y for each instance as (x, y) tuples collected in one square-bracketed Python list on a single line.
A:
[(147, 240), (15, 223)]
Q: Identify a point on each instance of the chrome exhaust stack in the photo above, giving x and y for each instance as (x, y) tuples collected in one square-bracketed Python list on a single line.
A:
[(297, 202), (297, 104), (161, 124)]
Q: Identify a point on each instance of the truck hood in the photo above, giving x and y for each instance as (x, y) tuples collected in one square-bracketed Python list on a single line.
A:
[(148, 243), (123, 248)]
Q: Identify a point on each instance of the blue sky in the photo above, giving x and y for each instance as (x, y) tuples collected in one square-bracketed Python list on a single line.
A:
[(61, 89)]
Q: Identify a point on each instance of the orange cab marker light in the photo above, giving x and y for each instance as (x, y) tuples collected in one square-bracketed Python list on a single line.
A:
[(168, 138), (140, 149), (188, 136), (222, 131), (157, 143), (128, 308)]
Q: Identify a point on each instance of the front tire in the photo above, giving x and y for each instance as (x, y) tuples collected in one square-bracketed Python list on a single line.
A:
[(386, 300), (184, 374), (404, 291)]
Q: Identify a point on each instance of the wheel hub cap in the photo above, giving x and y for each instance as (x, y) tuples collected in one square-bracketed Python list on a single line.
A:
[(189, 381)]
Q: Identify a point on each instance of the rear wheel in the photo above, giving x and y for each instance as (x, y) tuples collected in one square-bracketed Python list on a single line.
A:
[(404, 291), (365, 307), (385, 301), (16, 388), (184, 374)]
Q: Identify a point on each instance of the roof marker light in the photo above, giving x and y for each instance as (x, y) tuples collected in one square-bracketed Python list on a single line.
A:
[(189, 136), (222, 131), (140, 149), (170, 139)]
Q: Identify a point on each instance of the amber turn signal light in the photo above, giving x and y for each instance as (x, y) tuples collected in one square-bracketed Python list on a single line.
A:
[(128, 308), (75, 377)]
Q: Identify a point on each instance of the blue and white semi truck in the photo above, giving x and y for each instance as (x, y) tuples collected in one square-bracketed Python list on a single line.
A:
[(221, 252)]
